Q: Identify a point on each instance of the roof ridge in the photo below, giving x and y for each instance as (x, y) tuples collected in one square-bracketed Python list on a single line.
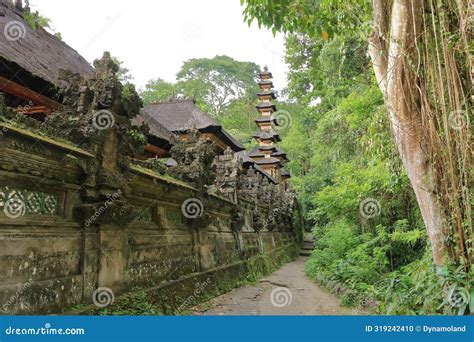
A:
[(173, 101)]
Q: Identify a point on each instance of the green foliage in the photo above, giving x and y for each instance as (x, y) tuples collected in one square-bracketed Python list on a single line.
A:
[(317, 18), (35, 20), (158, 90), (342, 153), (134, 303), (215, 83)]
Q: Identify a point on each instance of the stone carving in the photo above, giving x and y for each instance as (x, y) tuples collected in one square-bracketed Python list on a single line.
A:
[(227, 169), (194, 157), (248, 185)]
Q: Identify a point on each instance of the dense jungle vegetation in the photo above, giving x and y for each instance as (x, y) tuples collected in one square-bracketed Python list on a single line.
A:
[(390, 234)]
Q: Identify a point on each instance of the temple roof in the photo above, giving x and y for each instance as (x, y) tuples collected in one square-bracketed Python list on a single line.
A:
[(284, 173), (266, 119), (156, 129), (267, 148), (37, 51), (279, 152), (265, 73), (255, 153), (264, 105), (265, 82), (249, 162), (270, 160), (267, 93), (267, 135), (182, 115)]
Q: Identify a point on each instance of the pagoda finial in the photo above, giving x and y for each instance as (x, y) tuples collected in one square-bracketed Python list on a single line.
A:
[(265, 67)]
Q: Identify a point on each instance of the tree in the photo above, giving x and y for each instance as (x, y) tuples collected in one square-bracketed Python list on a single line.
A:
[(158, 90), (217, 81), (214, 83), (419, 51)]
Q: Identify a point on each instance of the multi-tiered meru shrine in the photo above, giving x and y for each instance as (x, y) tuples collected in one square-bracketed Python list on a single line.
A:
[(268, 156)]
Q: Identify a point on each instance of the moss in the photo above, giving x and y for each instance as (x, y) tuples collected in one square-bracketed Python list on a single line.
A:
[(57, 143), (165, 178), (170, 300)]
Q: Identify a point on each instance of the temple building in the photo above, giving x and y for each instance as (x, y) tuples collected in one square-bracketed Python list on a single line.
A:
[(268, 156), (31, 62), (179, 116)]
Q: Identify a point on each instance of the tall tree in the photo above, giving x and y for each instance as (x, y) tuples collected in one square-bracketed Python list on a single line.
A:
[(420, 55), (217, 80), (158, 90), (213, 82)]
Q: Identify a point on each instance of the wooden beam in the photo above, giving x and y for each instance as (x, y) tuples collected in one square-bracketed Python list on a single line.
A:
[(32, 110), (8, 86)]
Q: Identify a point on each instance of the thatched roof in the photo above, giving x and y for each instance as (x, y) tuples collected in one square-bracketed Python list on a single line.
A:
[(267, 119), (279, 153), (37, 51), (284, 173), (267, 135), (268, 160), (266, 105), (183, 115), (267, 93), (157, 130)]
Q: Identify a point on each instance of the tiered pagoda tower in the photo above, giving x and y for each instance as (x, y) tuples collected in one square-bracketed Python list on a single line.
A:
[(268, 155)]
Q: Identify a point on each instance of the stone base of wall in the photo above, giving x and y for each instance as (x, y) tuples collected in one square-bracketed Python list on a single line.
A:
[(176, 297)]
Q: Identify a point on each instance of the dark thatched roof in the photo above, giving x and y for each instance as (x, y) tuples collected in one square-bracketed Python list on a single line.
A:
[(267, 135), (265, 73), (182, 115), (255, 153), (266, 82), (269, 160), (265, 105), (156, 129), (37, 51), (279, 153), (267, 119), (267, 93), (285, 173)]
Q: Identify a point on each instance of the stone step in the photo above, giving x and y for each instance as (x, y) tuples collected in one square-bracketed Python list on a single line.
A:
[(307, 245), (305, 253)]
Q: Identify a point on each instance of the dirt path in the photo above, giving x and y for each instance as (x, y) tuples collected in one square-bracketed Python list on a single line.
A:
[(287, 291)]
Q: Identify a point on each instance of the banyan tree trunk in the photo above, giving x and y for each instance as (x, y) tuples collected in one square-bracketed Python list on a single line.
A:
[(393, 50)]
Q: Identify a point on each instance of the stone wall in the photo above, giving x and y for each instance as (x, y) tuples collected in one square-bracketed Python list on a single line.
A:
[(74, 220)]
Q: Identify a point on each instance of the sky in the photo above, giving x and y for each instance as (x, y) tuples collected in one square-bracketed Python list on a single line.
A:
[(154, 38)]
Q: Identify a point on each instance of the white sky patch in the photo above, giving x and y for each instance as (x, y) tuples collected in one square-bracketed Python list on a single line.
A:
[(154, 38)]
